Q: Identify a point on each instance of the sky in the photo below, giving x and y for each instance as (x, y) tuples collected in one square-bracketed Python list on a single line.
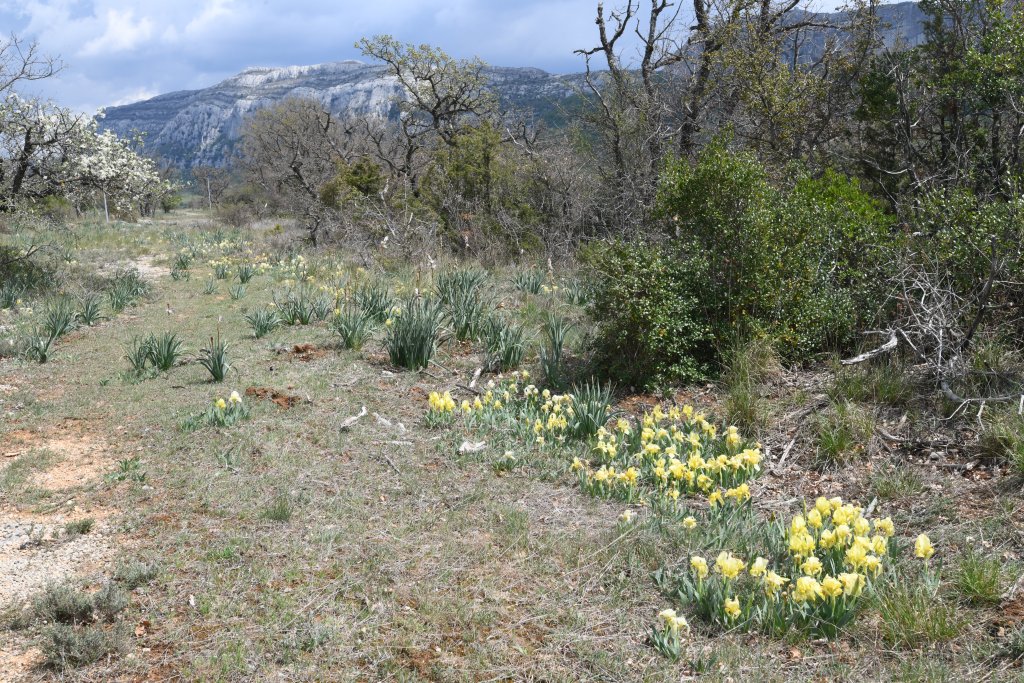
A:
[(120, 51)]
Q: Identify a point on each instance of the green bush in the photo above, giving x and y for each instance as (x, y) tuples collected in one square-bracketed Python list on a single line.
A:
[(800, 264), (651, 328)]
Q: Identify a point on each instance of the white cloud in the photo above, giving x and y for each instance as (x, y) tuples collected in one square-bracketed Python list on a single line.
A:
[(136, 95), (121, 33)]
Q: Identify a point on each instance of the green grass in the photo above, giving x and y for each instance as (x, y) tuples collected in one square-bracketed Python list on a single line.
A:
[(913, 617), (978, 578)]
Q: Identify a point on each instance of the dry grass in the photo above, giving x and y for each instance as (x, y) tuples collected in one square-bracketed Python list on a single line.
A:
[(288, 548)]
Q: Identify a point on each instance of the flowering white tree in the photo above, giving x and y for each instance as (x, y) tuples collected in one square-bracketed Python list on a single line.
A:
[(107, 165), (48, 150)]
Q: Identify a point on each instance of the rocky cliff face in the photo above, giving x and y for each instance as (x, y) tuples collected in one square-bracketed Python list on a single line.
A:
[(201, 126), (196, 127)]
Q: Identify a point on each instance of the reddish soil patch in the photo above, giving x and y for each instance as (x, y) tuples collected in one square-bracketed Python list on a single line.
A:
[(282, 399), (305, 352)]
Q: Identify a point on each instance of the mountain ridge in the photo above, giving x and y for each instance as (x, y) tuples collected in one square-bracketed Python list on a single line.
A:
[(199, 127)]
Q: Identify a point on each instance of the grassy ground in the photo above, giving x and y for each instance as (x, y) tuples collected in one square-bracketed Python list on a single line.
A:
[(289, 547)]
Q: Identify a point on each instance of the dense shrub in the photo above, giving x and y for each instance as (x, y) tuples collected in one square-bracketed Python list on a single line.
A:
[(651, 324), (800, 264)]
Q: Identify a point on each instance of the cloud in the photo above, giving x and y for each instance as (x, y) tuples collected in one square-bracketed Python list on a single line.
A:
[(122, 34)]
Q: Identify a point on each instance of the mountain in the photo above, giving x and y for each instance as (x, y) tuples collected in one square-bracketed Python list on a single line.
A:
[(196, 127)]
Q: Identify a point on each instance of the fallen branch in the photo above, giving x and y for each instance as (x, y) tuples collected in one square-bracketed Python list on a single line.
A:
[(868, 355)]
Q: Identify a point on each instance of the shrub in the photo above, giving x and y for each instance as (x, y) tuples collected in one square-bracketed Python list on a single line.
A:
[(161, 353), (412, 335), (452, 285), (125, 288), (36, 345), (556, 332), (592, 408), (528, 281), (979, 579), (89, 309), (1002, 438), (281, 510), (59, 317), (353, 325), (165, 350), (66, 647), (137, 354), (505, 345), (79, 527), (246, 272), (651, 327), (843, 434), (262, 321), (62, 604), (135, 574), (800, 261), (236, 292), (467, 311), (375, 300), (749, 365), (215, 358), (913, 616), (799, 264), (295, 307), (109, 601)]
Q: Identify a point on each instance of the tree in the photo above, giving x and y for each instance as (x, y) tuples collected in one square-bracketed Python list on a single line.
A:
[(773, 73), (291, 151), (950, 112), (211, 181), (442, 96), (105, 164)]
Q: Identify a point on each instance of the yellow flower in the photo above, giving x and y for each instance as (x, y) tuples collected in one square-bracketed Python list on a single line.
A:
[(811, 566), (221, 404), (668, 616), (853, 583), (741, 493), (856, 556), (732, 608), (729, 566), (861, 527), (689, 523), (759, 567), (807, 589), (577, 464), (773, 582), (715, 499), (814, 519), (872, 565), (798, 525), (699, 566), (801, 543), (885, 527), (831, 587), (822, 506), (923, 547), (880, 545), (626, 516)]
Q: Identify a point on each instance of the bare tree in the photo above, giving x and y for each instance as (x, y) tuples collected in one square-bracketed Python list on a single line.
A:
[(211, 181), (291, 151)]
